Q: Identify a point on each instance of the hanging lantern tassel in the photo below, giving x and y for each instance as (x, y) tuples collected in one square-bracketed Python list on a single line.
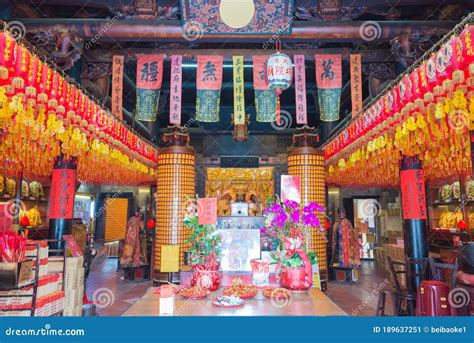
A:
[(278, 92)]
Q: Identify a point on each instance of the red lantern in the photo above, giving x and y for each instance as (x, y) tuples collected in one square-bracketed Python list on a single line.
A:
[(452, 53), (415, 88), (62, 90), (44, 84), (31, 83), (466, 38), (54, 91), (7, 57), (21, 67)]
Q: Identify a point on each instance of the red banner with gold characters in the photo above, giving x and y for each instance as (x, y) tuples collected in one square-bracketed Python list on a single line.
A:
[(265, 98), (207, 211), (62, 194), (412, 187), (329, 83), (175, 89), (356, 83), (149, 79), (208, 84), (300, 90), (117, 85)]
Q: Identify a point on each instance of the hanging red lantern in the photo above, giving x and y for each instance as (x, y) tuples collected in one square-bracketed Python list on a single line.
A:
[(21, 68), (31, 80), (467, 62), (71, 95), (452, 53), (415, 89), (44, 84), (62, 90), (7, 57), (279, 75), (53, 92)]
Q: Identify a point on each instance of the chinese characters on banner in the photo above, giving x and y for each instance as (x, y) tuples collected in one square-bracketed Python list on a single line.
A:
[(175, 89), (117, 85), (356, 83), (149, 79), (207, 211), (412, 187), (290, 188), (208, 84), (239, 100), (72, 246), (300, 90), (329, 83), (62, 194), (265, 99)]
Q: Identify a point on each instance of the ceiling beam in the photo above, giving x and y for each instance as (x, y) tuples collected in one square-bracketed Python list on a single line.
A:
[(368, 56), (104, 30)]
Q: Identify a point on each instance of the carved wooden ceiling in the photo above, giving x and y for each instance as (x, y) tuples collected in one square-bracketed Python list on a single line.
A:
[(82, 35)]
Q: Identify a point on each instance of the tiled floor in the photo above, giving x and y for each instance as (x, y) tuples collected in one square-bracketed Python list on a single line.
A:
[(116, 296)]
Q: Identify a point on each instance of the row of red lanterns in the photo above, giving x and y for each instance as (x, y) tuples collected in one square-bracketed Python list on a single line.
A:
[(25, 73), (452, 65)]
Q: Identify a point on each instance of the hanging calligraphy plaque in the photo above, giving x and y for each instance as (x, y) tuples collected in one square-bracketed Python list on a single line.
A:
[(208, 84), (239, 98), (356, 83), (265, 99), (329, 83), (300, 90), (117, 85), (149, 79), (175, 89)]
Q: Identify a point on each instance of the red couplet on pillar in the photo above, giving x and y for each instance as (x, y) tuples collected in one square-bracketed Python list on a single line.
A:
[(412, 186), (62, 194)]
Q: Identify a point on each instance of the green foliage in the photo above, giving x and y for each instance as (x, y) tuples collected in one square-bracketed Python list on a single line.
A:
[(204, 241)]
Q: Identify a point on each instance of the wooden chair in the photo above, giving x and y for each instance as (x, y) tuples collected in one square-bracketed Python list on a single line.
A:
[(438, 271), (405, 296), (380, 311)]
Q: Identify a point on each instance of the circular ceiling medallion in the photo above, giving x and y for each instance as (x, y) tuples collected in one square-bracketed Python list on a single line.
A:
[(236, 13)]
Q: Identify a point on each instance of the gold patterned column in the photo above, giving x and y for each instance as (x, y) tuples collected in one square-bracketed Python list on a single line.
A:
[(307, 162), (175, 182)]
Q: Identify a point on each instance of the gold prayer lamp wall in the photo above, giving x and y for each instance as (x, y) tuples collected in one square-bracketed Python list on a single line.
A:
[(307, 162), (241, 132), (175, 184)]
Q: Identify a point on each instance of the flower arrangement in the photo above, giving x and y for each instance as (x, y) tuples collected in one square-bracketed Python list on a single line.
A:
[(290, 225), (204, 240)]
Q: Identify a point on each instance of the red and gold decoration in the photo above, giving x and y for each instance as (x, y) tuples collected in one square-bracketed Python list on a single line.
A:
[(43, 115), (329, 82), (300, 90), (265, 99), (208, 84), (356, 83), (175, 177), (427, 112), (149, 79), (279, 75), (117, 85), (175, 89)]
